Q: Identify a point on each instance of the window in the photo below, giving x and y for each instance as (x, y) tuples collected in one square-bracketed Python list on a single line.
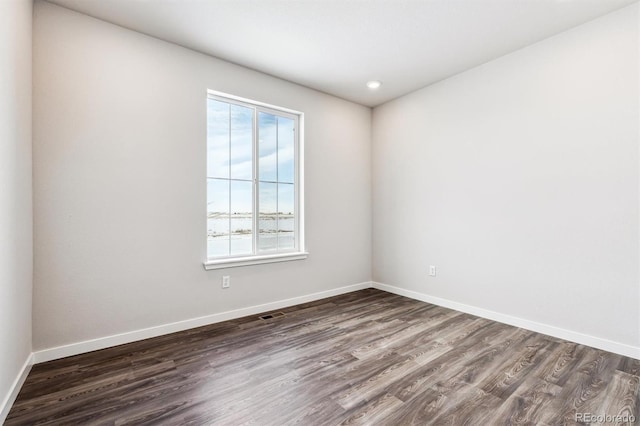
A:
[(254, 212)]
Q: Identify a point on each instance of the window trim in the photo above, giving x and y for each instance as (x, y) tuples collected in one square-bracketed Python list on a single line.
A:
[(299, 252), (234, 262)]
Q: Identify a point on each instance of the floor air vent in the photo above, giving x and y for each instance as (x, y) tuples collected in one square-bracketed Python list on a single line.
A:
[(273, 315)]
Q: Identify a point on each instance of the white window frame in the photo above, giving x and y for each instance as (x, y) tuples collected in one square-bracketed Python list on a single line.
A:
[(299, 252)]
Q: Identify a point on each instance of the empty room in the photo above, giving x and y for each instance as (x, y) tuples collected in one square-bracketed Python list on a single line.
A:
[(319, 212)]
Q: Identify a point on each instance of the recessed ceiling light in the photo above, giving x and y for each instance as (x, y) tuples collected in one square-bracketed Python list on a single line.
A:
[(373, 84)]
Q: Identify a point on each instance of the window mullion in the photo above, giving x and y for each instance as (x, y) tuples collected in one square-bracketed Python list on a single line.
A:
[(296, 186), (256, 187), (277, 191), (229, 180)]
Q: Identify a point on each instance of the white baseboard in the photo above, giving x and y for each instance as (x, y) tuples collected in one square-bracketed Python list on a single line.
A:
[(132, 336), (561, 333), (10, 398)]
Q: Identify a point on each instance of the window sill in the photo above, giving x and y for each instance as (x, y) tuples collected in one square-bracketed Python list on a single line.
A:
[(254, 260)]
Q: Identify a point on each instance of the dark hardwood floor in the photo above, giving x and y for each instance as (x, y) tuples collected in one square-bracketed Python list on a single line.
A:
[(367, 357)]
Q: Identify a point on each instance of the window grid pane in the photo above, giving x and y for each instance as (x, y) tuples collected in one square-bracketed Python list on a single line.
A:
[(241, 142), (241, 217), (267, 147), (286, 216), (268, 201), (218, 140), (218, 217), (286, 152)]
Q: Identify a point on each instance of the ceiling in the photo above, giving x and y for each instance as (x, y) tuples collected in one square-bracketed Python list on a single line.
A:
[(336, 46)]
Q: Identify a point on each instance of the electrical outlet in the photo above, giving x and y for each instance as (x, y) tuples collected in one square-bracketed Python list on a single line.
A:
[(226, 281), (432, 270)]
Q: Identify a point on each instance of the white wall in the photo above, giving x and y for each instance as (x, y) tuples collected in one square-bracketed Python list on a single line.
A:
[(119, 183), (518, 179), (15, 193)]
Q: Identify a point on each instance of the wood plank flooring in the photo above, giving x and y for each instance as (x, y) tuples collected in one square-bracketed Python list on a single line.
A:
[(367, 357)]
